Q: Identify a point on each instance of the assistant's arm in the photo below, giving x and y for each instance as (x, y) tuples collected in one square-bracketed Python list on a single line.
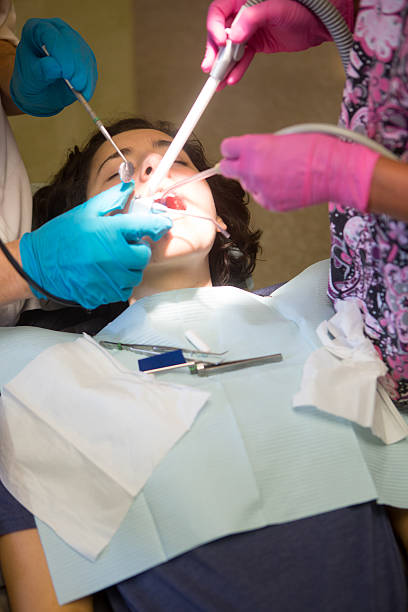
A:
[(271, 26), (389, 189), (286, 172)]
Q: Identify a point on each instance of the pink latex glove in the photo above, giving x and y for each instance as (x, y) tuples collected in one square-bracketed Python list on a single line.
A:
[(269, 27), (288, 172)]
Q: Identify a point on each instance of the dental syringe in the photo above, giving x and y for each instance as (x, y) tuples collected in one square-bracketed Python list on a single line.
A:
[(126, 168)]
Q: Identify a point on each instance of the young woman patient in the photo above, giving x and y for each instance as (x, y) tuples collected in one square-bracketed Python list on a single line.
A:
[(246, 571), (192, 254)]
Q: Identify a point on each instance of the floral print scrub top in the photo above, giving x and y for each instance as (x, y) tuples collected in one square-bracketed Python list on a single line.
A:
[(369, 253)]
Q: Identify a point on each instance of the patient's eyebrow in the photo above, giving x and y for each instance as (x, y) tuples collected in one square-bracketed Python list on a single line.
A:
[(157, 144), (115, 154)]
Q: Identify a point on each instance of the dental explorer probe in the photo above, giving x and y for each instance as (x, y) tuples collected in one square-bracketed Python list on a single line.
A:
[(126, 169)]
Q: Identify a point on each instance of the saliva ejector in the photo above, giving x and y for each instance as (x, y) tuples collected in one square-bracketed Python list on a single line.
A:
[(170, 204)]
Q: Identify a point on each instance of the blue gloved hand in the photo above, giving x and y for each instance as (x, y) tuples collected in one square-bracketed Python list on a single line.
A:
[(90, 258), (37, 85)]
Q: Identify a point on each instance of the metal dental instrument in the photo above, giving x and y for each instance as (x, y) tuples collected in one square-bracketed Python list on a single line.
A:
[(205, 369), (202, 368), (157, 349), (126, 168)]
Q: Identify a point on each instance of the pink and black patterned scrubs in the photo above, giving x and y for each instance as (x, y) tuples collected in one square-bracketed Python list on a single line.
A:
[(369, 253)]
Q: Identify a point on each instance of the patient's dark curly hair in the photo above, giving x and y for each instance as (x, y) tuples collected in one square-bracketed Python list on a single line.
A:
[(232, 260)]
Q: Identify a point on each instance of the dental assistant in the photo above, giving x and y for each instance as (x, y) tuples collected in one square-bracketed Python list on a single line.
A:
[(83, 255), (369, 213)]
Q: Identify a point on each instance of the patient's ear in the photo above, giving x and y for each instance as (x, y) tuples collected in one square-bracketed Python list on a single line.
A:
[(220, 220)]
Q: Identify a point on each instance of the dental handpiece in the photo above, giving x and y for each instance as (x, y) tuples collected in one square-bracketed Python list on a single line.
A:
[(226, 59), (126, 169)]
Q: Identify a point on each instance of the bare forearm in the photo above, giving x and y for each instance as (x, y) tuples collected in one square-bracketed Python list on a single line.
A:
[(399, 520), (389, 189), (12, 286), (26, 574), (7, 57)]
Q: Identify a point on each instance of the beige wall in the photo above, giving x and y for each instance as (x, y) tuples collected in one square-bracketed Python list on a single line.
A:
[(149, 54), (107, 26)]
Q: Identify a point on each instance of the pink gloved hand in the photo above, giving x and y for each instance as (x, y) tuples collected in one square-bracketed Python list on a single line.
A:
[(297, 170), (268, 27)]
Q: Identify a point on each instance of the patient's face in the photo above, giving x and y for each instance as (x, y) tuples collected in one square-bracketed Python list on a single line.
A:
[(145, 148)]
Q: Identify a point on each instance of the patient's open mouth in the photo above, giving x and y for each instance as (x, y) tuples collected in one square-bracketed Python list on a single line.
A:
[(174, 202)]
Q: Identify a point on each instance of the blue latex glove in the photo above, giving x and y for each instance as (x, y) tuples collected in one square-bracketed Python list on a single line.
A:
[(89, 258), (37, 85)]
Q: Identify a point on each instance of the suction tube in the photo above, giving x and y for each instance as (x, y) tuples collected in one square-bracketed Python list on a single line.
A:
[(339, 132), (331, 19)]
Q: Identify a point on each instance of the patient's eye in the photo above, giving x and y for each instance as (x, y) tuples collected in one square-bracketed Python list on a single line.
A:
[(180, 161), (113, 176)]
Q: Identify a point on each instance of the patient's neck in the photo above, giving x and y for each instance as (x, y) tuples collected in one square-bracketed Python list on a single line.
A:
[(165, 277)]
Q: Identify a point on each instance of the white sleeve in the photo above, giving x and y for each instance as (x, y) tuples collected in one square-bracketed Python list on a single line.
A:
[(15, 190), (15, 203), (8, 21)]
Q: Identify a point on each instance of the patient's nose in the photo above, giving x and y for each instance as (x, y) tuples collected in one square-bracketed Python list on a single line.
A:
[(148, 166)]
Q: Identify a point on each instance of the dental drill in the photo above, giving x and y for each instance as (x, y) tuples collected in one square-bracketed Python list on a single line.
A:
[(226, 59), (126, 168)]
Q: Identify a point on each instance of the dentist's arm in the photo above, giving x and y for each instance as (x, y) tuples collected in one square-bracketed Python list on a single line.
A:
[(32, 83), (37, 86), (85, 255)]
